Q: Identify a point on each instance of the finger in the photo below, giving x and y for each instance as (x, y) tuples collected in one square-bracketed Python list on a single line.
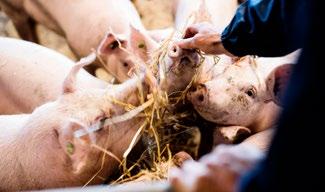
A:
[(187, 43), (191, 31)]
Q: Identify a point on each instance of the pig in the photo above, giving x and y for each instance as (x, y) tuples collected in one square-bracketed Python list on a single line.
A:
[(175, 67), (31, 75), (217, 12), (189, 12), (235, 123), (246, 93), (43, 150), (86, 25)]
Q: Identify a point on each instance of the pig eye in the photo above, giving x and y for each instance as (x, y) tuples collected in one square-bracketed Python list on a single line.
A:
[(251, 92)]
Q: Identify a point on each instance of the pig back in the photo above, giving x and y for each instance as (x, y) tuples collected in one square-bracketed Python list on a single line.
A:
[(31, 75)]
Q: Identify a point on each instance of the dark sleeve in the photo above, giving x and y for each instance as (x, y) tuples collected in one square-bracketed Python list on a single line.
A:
[(295, 161), (263, 28)]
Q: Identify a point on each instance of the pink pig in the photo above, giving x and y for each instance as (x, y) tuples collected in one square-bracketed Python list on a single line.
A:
[(85, 24), (246, 93), (218, 12), (41, 150)]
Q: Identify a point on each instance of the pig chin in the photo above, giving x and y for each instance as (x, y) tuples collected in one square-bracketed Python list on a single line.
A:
[(214, 116), (209, 112)]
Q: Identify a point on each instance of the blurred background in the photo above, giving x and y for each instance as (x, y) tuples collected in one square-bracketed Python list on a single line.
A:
[(155, 14)]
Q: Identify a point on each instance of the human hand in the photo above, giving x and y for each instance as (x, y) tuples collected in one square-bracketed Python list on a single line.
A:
[(203, 36), (218, 171)]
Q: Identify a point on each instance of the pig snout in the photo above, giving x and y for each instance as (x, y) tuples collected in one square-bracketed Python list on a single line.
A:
[(185, 57), (175, 51), (198, 95)]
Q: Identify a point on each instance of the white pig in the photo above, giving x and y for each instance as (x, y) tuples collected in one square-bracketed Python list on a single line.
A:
[(85, 24), (246, 93), (176, 66), (31, 75), (218, 12), (41, 150)]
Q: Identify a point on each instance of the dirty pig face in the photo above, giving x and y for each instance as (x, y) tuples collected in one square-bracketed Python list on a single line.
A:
[(179, 67), (233, 97)]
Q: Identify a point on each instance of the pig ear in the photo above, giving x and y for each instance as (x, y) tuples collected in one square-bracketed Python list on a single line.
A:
[(76, 148), (277, 82), (141, 44), (110, 43), (69, 84)]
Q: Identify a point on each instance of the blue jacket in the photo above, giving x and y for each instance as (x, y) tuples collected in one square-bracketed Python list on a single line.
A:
[(295, 161), (266, 28)]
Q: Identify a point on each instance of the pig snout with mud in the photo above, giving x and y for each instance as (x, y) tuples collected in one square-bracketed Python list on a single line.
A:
[(188, 12), (177, 68), (243, 92), (58, 145)]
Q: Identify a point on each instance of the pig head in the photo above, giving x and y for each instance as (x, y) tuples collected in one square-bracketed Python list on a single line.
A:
[(122, 53), (122, 56), (243, 94), (47, 151), (177, 68)]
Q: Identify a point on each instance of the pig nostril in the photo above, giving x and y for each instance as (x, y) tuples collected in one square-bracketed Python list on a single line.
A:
[(201, 98), (175, 51)]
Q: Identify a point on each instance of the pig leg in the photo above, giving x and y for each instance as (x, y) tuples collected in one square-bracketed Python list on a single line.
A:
[(24, 24)]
